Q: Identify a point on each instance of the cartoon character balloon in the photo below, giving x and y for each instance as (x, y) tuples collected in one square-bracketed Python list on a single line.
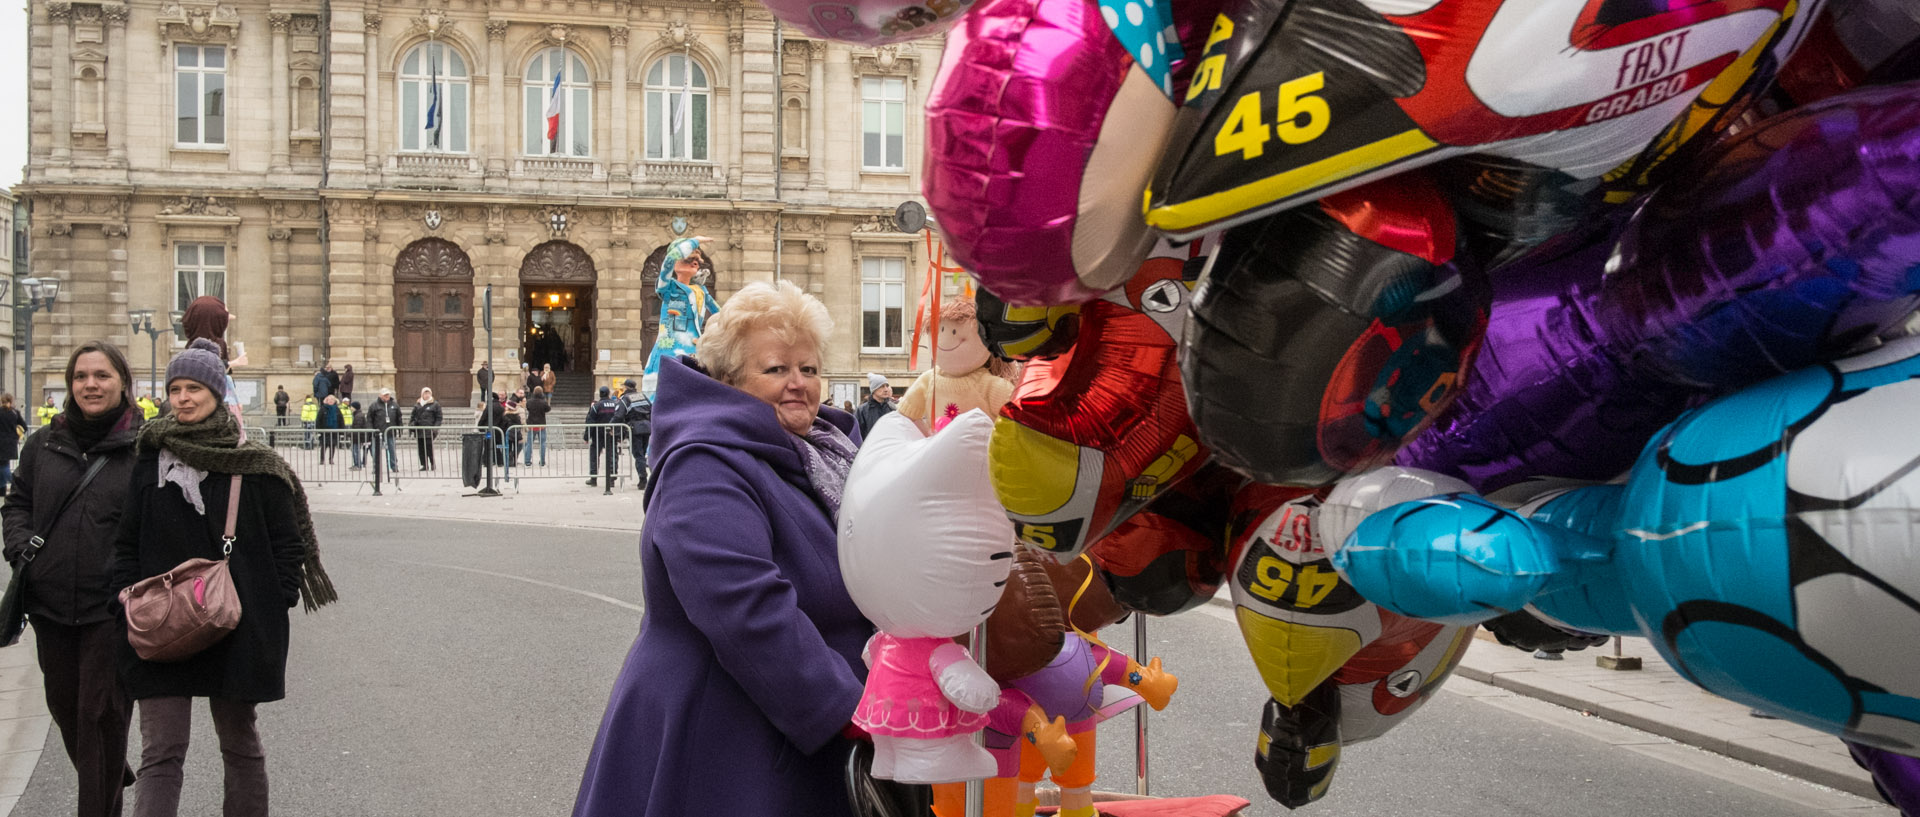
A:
[(1042, 127), (1767, 543), (1340, 669), (924, 549), (685, 305), (964, 376), (1286, 107), (1094, 435)]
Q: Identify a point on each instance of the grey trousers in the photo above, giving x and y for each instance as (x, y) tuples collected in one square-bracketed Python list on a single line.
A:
[(166, 725)]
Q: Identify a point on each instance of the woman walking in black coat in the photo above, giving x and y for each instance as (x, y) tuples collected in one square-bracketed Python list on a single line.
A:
[(177, 509), (12, 426), (67, 572)]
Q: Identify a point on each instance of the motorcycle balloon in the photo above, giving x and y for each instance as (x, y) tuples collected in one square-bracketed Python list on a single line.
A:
[(1042, 126), (1024, 332), (1172, 556), (1094, 434), (1797, 241), (1866, 42), (1322, 339), (1297, 99)]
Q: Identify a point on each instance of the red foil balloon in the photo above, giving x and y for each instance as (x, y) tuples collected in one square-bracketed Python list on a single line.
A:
[(1095, 434), (1172, 556)]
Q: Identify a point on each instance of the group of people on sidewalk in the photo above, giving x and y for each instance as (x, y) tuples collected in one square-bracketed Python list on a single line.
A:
[(103, 498)]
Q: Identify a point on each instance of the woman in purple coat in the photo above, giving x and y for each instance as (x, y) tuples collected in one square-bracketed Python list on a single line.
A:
[(737, 695)]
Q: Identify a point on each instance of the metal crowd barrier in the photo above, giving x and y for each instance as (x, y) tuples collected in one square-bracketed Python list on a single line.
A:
[(567, 451), (335, 455), (555, 451)]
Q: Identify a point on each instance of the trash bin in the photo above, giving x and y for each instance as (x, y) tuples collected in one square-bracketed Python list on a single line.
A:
[(473, 450)]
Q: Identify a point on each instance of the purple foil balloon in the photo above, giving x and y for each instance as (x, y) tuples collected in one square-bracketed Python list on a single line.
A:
[(1799, 240), (1041, 132), (1897, 776)]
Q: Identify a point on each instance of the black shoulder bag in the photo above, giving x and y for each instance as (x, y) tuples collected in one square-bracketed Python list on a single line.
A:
[(13, 606)]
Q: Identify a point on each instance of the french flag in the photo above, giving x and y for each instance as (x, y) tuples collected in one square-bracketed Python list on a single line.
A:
[(553, 113)]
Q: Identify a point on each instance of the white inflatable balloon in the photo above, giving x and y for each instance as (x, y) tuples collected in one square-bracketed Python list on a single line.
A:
[(924, 543)]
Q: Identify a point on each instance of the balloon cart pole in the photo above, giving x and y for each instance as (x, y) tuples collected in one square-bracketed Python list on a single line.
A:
[(1616, 660), (977, 788), (1140, 712)]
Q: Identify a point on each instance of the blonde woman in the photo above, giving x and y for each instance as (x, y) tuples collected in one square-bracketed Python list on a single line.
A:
[(747, 669)]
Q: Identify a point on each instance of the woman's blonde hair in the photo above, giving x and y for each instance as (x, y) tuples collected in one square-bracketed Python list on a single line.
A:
[(780, 308)]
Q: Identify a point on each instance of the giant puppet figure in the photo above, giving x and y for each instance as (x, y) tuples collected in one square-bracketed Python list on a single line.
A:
[(685, 306)]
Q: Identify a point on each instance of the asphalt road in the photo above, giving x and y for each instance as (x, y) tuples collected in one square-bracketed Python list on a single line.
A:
[(466, 668)]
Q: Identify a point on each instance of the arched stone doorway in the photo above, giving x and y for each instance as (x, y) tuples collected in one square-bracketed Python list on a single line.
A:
[(557, 282), (650, 281), (433, 321)]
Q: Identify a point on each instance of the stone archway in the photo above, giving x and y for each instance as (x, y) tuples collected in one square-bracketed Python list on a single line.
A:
[(557, 289), (433, 321)]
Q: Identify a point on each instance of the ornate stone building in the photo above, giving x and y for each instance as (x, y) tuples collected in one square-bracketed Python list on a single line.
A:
[(352, 176)]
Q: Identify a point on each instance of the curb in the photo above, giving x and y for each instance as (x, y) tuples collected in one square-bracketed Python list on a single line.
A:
[(1853, 781)]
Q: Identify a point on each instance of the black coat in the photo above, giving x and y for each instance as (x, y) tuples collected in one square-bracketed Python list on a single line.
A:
[(10, 424), (427, 414), (67, 582), (537, 407), (384, 414), (162, 530), (870, 412), (637, 412)]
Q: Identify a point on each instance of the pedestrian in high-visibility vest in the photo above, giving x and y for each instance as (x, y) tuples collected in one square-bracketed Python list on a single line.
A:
[(309, 414), (46, 413), (147, 409)]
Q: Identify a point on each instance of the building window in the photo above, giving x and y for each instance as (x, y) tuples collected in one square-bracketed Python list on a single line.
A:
[(433, 99), (677, 93), (200, 95), (199, 269), (883, 299), (883, 123), (557, 85)]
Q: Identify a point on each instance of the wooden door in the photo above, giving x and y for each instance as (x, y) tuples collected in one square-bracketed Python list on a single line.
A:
[(433, 322)]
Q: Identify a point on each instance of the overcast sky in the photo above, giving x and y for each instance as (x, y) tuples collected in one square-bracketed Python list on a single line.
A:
[(13, 95)]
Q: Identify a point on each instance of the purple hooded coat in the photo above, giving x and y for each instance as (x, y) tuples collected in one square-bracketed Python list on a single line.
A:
[(748, 661)]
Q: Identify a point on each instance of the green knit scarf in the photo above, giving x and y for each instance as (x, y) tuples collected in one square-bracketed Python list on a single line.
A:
[(213, 445)]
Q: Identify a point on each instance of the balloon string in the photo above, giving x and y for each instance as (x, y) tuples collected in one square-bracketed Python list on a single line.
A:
[(1105, 657)]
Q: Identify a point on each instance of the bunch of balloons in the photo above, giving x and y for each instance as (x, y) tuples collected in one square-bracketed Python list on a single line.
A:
[(1255, 249)]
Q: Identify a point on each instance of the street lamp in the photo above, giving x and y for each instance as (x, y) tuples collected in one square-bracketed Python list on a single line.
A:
[(40, 294), (141, 320)]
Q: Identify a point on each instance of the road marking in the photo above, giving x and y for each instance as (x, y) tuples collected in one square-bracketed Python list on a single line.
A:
[(575, 590)]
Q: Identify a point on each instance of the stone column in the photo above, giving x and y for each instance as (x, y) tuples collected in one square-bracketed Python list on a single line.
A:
[(282, 111), (497, 150), (736, 146), (60, 17), (374, 120), (843, 165), (116, 15), (280, 343), (817, 116), (618, 168)]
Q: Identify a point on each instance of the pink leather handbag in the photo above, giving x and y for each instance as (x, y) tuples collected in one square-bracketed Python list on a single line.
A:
[(177, 614)]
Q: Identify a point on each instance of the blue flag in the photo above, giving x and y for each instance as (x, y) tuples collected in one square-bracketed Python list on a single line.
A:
[(433, 95)]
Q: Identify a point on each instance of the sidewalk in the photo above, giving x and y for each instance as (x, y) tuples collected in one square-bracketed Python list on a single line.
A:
[(1657, 700), (557, 502)]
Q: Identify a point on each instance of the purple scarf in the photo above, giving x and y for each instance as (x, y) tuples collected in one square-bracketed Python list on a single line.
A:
[(828, 455)]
